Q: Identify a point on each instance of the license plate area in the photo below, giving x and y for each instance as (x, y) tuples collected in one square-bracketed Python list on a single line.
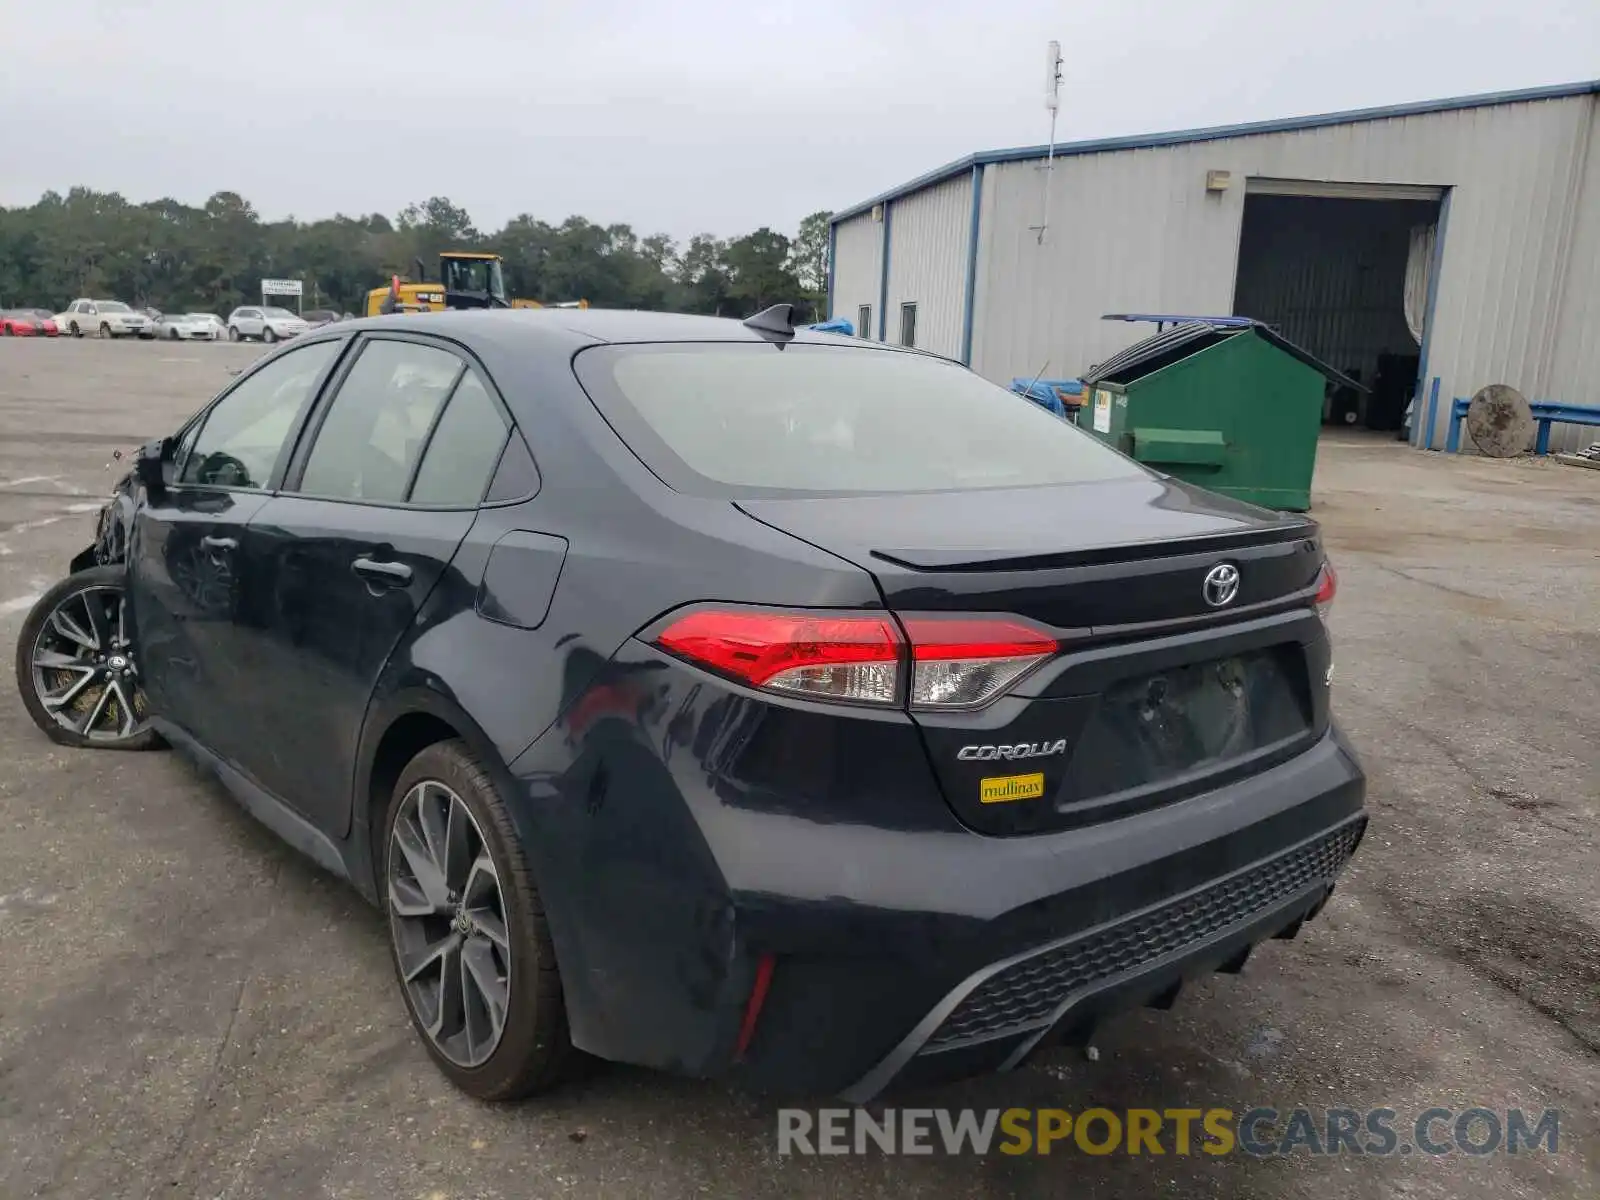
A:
[(1188, 720)]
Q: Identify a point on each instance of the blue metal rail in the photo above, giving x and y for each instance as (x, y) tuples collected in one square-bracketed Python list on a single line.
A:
[(1545, 412)]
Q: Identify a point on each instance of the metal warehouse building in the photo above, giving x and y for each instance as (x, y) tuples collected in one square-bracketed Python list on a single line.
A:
[(1457, 239)]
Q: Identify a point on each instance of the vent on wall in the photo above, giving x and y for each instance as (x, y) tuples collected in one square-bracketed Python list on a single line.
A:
[(877, 213)]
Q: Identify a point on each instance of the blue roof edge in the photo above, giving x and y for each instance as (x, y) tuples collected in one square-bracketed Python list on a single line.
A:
[(1150, 141)]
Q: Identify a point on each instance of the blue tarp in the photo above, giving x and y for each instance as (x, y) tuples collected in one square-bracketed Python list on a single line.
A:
[(1052, 394), (837, 325)]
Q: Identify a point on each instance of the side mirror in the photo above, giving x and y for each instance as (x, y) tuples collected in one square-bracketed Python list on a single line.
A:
[(150, 465)]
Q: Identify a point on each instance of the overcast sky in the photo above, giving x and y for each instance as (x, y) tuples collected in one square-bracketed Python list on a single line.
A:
[(687, 115)]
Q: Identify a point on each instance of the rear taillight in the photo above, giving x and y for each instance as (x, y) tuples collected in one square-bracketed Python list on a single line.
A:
[(1327, 589), (851, 658), (963, 663), (862, 658)]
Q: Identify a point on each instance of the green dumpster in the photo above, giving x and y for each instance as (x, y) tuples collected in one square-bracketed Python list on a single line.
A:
[(1234, 408)]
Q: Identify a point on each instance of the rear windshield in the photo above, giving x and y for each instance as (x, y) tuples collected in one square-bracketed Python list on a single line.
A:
[(723, 418)]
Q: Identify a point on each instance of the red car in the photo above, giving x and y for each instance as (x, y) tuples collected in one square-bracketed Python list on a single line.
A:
[(28, 322)]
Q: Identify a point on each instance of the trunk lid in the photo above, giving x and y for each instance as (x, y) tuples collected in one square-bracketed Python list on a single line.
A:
[(1156, 693)]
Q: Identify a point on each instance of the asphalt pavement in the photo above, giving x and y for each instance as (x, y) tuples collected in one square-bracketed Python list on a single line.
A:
[(188, 1009)]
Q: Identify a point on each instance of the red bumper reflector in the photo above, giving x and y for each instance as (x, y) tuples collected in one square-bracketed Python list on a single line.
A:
[(752, 1007)]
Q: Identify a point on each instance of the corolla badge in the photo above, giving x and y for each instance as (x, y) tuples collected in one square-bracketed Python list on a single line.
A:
[(1221, 585), (1015, 750)]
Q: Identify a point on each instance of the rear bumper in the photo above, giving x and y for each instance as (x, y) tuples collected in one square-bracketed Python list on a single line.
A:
[(906, 946), (1000, 1014)]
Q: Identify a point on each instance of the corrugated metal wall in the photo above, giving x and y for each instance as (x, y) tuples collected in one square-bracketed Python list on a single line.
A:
[(1135, 230), (1575, 354), (857, 269), (928, 263)]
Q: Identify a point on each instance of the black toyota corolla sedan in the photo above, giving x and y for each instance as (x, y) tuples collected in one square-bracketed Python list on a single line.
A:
[(718, 696)]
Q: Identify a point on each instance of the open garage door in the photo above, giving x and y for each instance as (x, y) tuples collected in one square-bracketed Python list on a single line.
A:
[(1342, 269)]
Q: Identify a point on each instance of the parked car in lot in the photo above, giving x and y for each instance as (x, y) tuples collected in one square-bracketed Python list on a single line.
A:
[(321, 316), (717, 696), (27, 322), (264, 323), (104, 318), (197, 327)]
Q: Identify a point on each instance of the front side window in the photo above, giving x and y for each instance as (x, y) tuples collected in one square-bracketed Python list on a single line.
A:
[(379, 419), (241, 437), (725, 419)]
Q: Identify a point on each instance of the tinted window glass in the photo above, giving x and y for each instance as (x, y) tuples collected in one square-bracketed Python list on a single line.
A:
[(715, 417), (463, 450), (516, 475), (378, 421), (243, 433)]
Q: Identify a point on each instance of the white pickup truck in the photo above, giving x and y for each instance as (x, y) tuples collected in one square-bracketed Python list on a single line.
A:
[(104, 318)]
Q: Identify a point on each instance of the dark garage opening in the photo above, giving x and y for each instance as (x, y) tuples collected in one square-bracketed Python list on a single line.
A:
[(1331, 274)]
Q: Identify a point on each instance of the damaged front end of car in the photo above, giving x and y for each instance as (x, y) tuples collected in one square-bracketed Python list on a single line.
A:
[(115, 521)]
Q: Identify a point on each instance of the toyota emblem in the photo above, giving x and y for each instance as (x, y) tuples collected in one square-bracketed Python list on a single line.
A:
[(1221, 585)]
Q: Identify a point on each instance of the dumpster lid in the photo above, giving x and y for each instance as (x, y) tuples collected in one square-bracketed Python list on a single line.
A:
[(1193, 335)]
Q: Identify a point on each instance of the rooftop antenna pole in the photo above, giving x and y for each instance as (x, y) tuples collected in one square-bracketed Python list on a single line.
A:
[(1052, 101)]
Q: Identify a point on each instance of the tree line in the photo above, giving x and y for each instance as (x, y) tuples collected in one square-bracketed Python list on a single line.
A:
[(176, 257)]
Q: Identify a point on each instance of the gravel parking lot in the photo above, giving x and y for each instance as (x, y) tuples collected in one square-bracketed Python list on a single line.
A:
[(188, 1009)]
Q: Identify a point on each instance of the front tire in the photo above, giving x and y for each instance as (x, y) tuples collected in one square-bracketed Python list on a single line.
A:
[(105, 330), (76, 667), (268, 335), (467, 931), (76, 332), (172, 335)]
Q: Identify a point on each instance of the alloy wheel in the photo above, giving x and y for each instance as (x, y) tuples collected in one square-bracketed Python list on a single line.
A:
[(84, 672), (447, 915)]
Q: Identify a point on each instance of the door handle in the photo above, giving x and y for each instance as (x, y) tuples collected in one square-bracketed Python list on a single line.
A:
[(218, 543), (395, 574)]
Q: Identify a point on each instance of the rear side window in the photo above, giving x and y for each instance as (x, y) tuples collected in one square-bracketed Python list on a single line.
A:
[(376, 426), (726, 418), (463, 450)]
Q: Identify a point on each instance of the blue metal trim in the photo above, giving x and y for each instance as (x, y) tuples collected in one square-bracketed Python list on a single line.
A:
[(883, 277), (1458, 410), (1217, 132), (969, 297), (1419, 439), (833, 253)]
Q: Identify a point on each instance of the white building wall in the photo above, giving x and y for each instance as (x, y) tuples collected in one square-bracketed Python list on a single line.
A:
[(1136, 231), (1575, 355), (928, 235), (857, 269)]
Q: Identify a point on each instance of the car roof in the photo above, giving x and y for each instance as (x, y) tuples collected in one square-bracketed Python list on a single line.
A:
[(516, 328)]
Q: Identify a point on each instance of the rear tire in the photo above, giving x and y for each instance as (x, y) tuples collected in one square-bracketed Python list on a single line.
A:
[(532, 1050), (233, 333), (93, 700)]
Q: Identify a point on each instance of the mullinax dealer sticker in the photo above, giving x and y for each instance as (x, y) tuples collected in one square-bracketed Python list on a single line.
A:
[(1002, 789)]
